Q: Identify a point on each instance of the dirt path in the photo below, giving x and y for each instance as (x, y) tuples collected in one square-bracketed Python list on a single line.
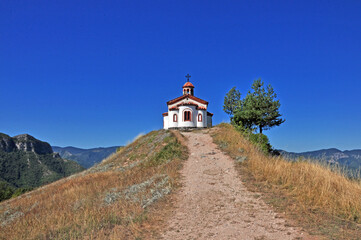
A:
[(214, 204)]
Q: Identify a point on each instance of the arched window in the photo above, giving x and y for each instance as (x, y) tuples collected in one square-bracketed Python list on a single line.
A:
[(187, 116), (175, 118), (199, 117)]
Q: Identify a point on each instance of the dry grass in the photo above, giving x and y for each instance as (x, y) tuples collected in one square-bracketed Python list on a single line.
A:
[(100, 202), (309, 187)]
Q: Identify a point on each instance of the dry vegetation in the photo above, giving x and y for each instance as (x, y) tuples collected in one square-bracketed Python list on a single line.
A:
[(321, 200), (113, 200)]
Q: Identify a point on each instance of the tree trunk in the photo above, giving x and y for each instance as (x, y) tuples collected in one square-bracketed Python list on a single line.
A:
[(260, 135)]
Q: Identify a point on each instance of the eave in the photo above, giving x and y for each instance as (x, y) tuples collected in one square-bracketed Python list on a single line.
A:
[(187, 96)]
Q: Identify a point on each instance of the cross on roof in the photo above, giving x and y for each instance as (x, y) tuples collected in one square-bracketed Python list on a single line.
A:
[(188, 76)]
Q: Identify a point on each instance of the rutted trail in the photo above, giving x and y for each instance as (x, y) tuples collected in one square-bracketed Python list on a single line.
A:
[(214, 204)]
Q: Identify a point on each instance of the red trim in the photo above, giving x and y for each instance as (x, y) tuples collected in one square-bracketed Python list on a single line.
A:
[(173, 108), (187, 114), (199, 117), (165, 114), (188, 104), (209, 114), (175, 118), (201, 108), (187, 96)]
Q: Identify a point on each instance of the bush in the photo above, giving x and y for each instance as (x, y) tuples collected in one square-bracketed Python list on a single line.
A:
[(258, 139), (20, 191), (6, 191), (261, 141)]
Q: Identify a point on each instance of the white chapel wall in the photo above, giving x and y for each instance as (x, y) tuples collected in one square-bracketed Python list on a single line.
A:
[(171, 123), (192, 123), (165, 122)]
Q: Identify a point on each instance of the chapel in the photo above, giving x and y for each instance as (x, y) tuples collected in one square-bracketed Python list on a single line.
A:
[(187, 111)]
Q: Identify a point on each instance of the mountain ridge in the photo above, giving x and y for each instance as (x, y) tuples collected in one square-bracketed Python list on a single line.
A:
[(27, 162), (85, 157), (333, 156)]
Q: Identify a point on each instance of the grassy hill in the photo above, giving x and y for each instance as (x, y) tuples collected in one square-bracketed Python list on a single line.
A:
[(85, 157), (127, 195), (321, 200), (116, 199)]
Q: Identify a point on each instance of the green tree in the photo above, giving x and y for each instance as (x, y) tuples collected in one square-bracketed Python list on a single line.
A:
[(6, 191), (259, 108), (232, 101)]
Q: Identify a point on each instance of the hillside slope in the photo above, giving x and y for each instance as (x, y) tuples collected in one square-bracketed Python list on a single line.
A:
[(85, 157), (112, 200), (28, 162), (316, 198)]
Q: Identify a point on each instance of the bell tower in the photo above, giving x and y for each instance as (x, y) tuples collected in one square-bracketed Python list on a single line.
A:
[(188, 87)]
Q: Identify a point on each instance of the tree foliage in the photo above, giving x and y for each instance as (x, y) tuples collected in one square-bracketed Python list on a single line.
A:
[(7, 191), (259, 109), (231, 101)]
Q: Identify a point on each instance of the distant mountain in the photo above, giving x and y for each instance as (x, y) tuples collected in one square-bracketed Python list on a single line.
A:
[(333, 156), (85, 157), (26, 162)]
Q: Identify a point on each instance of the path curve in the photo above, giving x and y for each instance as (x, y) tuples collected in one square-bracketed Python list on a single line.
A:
[(214, 204)]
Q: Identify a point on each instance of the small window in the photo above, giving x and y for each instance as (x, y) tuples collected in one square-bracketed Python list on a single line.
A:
[(187, 116), (199, 117), (175, 118)]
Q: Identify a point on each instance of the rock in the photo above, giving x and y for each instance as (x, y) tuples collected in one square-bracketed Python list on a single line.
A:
[(27, 143), (6, 143), (241, 159), (223, 145)]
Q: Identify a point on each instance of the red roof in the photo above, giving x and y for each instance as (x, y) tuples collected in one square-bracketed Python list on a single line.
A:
[(188, 84), (209, 114), (187, 96), (165, 114)]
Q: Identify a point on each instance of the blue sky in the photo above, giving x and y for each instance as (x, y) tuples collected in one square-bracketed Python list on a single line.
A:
[(98, 73)]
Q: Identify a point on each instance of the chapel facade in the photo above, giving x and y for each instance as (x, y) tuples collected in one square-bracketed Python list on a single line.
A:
[(187, 111)]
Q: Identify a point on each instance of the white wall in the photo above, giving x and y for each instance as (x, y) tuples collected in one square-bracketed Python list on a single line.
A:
[(206, 120), (172, 124), (193, 122), (165, 122)]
